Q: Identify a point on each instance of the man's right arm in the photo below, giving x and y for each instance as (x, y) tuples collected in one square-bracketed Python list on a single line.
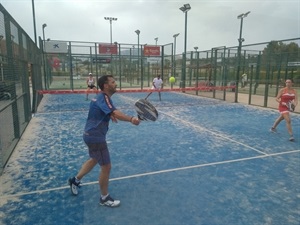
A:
[(121, 116)]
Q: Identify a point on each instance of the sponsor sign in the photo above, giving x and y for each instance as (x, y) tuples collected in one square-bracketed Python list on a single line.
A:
[(108, 49), (101, 60), (56, 47), (293, 64), (151, 50)]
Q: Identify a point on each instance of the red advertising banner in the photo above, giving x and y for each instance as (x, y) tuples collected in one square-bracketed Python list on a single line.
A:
[(151, 50), (108, 49)]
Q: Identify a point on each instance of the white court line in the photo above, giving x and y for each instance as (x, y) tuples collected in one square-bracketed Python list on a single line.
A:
[(155, 172), (203, 129), (213, 132)]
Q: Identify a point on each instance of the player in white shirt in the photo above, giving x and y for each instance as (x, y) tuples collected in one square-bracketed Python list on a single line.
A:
[(90, 81), (244, 80), (157, 85)]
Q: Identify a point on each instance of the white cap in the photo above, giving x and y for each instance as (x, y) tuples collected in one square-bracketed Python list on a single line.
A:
[(90, 74)]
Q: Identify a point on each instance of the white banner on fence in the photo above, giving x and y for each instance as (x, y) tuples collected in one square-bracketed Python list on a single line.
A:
[(152, 60), (56, 47)]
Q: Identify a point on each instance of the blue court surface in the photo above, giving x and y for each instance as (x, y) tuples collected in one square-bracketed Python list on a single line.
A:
[(203, 162)]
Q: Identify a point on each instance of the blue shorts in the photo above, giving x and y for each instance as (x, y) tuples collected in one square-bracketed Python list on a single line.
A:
[(99, 151)]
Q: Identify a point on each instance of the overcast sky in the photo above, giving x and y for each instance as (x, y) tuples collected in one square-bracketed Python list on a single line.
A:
[(211, 23)]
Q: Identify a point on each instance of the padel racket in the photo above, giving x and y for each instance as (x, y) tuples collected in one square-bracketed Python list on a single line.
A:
[(148, 95), (290, 105), (145, 110)]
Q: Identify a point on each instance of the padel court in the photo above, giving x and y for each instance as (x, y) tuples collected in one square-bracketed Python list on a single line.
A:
[(204, 162)]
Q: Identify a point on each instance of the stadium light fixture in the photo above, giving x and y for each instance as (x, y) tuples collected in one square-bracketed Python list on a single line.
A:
[(185, 8), (110, 21), (156, 39)]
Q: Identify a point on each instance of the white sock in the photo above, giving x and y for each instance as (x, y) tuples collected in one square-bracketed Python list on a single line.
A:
[(104, 196)]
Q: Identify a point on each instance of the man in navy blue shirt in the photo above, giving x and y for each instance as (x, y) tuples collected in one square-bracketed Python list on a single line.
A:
[(101, 111)]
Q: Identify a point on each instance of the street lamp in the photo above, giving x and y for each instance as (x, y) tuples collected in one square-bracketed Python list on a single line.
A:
[(34, 24), (110, 21), (156, 39), (138, 49), (196, 49), (185, 8), (240, 40), (175, 36), (44, 57), (174, 55), (2, 75), (44, 25)]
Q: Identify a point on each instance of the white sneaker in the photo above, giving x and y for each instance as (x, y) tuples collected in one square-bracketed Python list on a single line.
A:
[(74, 185), (109, 202), (291, 138)]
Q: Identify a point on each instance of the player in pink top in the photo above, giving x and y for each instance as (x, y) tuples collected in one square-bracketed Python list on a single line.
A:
[(286, 96)]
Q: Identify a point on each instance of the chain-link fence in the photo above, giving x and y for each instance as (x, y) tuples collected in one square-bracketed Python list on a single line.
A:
[(69, 68), (265, 64), (19, 62), (257, 72), (261, 70)]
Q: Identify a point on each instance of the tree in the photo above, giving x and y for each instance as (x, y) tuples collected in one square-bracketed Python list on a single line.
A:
[(278, 52)]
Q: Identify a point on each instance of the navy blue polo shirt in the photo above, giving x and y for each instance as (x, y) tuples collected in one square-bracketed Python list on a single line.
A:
[(98, 119)]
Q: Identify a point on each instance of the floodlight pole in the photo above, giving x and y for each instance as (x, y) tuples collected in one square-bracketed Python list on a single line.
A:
[(110, 21), (44, 58), (175, 36), (156, 39), (174, 56), (2, 75), (240, 40), (34, 25), (44, 26), (185, 8), (138, 60)]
